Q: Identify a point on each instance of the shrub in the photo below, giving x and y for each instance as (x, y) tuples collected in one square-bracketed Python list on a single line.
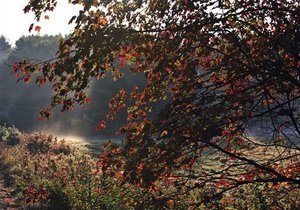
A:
[(42, 143), (10, 135)]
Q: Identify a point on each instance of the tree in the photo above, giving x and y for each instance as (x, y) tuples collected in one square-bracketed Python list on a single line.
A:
[(22, 102), (4, 45), (5, 48), (34, 48), (223, 68)]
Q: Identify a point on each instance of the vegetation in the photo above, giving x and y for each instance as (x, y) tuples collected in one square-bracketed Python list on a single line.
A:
[(9, 135), (5, 48), (4, 45), (223, 68), (48, 173)]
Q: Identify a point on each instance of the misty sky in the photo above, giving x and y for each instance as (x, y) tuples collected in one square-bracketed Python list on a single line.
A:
[(14, 23)]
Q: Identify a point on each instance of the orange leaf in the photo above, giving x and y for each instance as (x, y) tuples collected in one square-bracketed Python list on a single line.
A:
[(106, 66), (170, 202), (103, 21), (46, 17), (119, 175), (164, 133)]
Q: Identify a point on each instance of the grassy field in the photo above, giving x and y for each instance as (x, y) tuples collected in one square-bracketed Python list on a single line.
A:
[(47, 173)]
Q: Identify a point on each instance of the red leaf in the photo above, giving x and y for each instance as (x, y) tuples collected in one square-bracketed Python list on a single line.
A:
[(101, 126), (88, 100), (15, 66), (38, 28), (27, 79)]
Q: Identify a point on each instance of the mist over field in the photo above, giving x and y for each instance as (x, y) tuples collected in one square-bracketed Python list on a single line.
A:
[(20, 103)]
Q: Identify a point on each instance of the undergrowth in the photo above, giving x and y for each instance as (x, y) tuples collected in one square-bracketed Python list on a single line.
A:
[(49, 174)]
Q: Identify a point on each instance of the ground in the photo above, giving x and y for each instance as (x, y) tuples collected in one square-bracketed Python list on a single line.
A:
[(7, 200)]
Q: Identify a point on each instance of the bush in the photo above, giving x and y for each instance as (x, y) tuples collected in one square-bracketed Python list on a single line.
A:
[(42, 143), (10, 135)]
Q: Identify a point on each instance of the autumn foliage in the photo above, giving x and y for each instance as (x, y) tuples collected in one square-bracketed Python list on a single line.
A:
[(223, 68)]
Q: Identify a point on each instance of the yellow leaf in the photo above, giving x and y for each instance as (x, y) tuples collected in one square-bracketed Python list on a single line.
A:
[(164, 133)]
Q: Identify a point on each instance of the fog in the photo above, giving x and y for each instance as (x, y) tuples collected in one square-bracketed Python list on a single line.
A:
[(20, 103)]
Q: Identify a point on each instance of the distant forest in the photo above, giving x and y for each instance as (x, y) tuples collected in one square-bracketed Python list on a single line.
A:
[(20, 103)]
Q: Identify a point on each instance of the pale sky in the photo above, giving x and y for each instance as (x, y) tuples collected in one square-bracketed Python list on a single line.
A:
[(14, 23)]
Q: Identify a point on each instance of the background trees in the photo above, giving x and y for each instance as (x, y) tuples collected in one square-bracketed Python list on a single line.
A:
[(5, 48), (223, 67), (4, 45), (21, 102)]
